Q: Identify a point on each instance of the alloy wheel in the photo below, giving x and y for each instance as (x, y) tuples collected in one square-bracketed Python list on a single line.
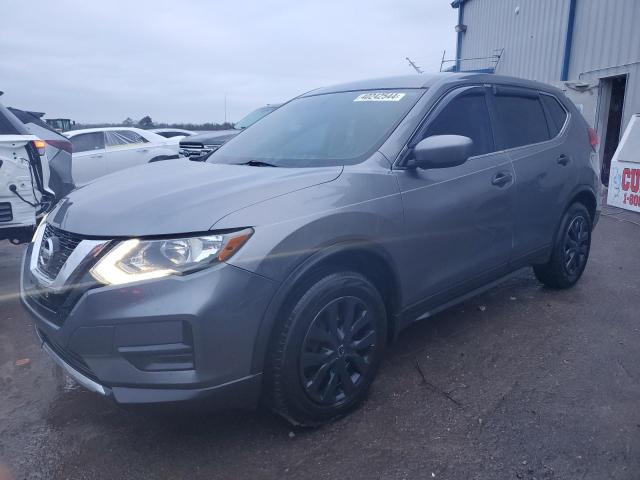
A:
[(576, 246), (338, 351)]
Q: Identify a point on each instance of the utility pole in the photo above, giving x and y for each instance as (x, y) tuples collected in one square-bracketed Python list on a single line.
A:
[(225, 107), (415, 67)]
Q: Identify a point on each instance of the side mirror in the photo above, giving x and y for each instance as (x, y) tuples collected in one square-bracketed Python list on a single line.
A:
[(442, 151)]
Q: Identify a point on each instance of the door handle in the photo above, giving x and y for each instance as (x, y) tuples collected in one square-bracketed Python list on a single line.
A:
[(563, 160), (144, 150), (99, 155), (501, 179)]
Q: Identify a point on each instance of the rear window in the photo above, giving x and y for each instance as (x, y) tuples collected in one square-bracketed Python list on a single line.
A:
[(29, 119), (172, 134), (521, 118), (557, 113), (85, 142), (9, 124)]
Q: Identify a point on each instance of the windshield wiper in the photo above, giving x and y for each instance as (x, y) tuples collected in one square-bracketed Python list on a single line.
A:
[(257, 163)]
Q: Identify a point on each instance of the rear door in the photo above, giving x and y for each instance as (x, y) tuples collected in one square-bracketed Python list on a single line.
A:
[(125, 149), (88, 157), (459, 220), (531, 127)]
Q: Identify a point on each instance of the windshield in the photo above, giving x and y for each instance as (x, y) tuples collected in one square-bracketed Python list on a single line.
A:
[(253, 117), (321, 130)]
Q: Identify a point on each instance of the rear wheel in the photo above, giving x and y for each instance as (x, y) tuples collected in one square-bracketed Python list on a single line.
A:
[(570, 252), (327, 352)]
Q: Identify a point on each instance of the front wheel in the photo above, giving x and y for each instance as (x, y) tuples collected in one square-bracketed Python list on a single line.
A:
[(327, 351), (570, 252)]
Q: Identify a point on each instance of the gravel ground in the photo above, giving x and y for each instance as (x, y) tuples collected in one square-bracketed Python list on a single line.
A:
[(521, 382)]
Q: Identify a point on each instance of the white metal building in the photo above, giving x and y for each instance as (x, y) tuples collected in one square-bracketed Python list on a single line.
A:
[(589, 48)]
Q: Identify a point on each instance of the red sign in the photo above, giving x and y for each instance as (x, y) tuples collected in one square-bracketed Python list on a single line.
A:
[(630, 184)]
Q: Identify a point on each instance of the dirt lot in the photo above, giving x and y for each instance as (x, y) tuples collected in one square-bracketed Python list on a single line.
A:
[(521, 382)]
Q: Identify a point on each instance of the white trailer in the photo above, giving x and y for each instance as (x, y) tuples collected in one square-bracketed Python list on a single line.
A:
[(624, 181)]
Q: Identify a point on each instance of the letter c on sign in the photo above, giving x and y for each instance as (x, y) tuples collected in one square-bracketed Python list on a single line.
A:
[(626, 178), (635, 180)]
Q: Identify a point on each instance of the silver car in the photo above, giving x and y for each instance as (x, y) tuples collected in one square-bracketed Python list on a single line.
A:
[(283, 266)]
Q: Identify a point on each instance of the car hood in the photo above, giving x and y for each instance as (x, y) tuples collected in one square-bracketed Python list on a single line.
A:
[(176, 197), (217, 137)]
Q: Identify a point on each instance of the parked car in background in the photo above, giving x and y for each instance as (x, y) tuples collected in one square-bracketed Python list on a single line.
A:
[(284, 265), (99, 151), (199, 147), (56, 165), (60, 124), (173, 132), (22, 187)]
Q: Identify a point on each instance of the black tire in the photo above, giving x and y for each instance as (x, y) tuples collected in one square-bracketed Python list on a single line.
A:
[(570, 251), (326, 353)]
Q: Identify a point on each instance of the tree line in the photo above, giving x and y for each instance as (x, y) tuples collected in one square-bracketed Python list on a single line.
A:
[(147, 122)]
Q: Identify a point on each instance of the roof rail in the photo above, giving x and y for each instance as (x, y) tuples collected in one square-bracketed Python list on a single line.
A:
[(487, 64)]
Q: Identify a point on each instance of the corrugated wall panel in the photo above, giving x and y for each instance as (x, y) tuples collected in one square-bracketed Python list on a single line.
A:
[(606, 42), (606, 34), (533, 39)]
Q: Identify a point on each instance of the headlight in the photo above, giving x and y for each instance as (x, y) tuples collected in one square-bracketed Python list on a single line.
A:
[(41, 226), (134, 260)]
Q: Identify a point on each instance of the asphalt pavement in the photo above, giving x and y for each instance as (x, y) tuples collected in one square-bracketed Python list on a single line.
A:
[(519, 383)]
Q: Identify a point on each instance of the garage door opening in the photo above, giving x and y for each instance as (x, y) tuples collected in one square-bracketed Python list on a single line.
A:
[(612, 93)]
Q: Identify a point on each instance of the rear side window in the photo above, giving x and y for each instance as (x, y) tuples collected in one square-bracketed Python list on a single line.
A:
[(132, 137), (123, 137), (521, 119), (466, 115), (557, 113), (85, 142)]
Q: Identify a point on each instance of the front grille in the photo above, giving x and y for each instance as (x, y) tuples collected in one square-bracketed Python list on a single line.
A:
[(70, 357), (66, 243), (6, 214), (197, 150)]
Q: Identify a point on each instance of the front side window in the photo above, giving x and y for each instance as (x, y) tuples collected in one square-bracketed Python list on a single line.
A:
[(321, 130), (521, 119), (117, 138), (466, 115), (87, 141)]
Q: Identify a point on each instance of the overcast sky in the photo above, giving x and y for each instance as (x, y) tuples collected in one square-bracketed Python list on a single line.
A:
[(174, 60)]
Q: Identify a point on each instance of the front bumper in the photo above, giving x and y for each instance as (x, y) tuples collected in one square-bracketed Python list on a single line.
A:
[(166, 340)]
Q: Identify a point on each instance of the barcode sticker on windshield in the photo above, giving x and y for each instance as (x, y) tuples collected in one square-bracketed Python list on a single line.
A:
[(379, 97)]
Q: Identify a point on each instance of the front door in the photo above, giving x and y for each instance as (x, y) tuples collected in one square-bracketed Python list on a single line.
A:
[(459, 220)]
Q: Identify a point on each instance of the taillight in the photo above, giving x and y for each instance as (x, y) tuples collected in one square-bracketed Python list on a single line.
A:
[(593, 138), (39, 144)]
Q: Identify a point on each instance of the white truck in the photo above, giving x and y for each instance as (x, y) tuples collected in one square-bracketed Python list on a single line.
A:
[(23, 195)]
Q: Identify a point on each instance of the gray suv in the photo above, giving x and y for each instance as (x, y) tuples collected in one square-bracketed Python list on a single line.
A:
[(282, 267)]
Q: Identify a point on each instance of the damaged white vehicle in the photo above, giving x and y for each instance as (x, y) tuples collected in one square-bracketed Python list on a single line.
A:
[(100, 151), (26, 175)]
